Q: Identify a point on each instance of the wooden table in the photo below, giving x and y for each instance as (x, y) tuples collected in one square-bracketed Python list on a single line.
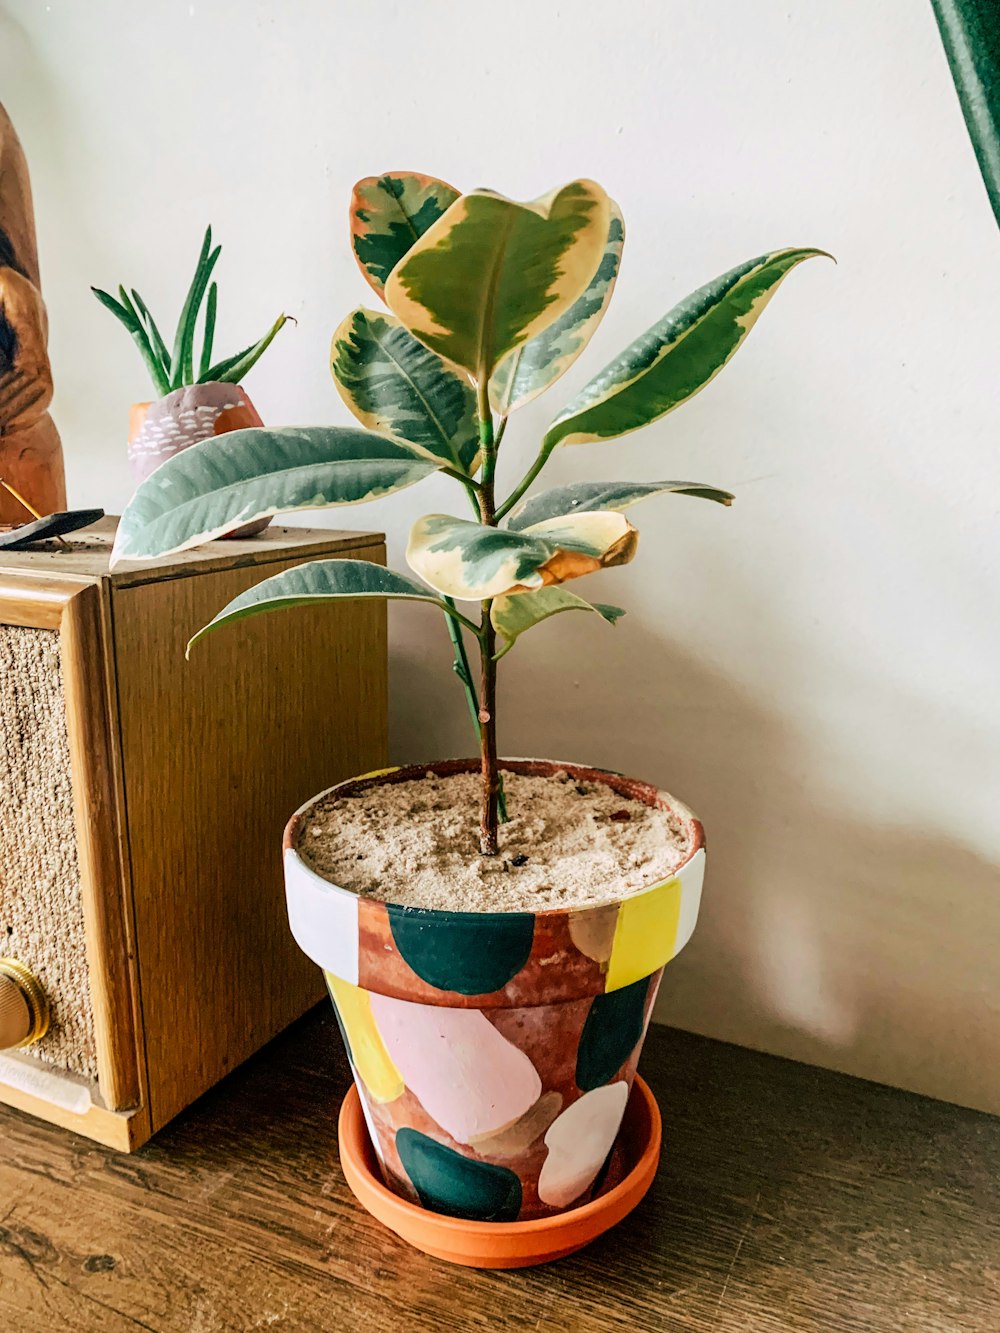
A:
[(789, 1199)]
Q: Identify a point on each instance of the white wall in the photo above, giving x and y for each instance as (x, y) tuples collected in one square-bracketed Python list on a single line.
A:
[(816, 671)]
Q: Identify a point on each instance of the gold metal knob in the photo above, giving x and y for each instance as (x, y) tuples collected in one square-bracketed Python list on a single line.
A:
[(24, 1010)]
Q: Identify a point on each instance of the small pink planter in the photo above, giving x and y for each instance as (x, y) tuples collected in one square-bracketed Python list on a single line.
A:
[(158, 430), (494, 1053)]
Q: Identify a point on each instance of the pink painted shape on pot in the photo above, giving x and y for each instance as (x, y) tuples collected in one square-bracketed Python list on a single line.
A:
[(466, 1075)]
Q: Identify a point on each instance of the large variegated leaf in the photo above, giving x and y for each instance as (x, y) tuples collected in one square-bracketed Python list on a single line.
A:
[(394, 384), (520, 611), (679, 355), (594, 495), (538, 363), (388, 213), (473, 562), (492, 273), (233, 479), (321, 581)]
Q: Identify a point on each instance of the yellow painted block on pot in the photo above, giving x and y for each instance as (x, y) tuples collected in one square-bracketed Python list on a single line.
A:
[(368, 1054), (645, 934)]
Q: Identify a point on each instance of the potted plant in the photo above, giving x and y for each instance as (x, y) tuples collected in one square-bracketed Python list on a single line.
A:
[(197, 399), (493, 973)]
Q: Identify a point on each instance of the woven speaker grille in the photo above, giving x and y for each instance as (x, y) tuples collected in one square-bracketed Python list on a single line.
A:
[(41, 909)]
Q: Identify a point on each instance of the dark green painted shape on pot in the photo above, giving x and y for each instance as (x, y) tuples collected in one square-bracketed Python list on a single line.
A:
[(446, 1182), (612, 1028), (473, 953)]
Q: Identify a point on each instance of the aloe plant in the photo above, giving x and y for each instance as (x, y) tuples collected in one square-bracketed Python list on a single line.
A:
[(488, 302), (174, 369)]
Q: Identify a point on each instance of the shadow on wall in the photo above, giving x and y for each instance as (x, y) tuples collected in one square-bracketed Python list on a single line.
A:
[(856, 946), (850, 944)]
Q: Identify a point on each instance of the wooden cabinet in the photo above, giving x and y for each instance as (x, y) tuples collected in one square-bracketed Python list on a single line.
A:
[(142, 799)]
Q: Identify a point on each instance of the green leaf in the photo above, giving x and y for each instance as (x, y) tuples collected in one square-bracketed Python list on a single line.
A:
[(388, 213), (182, 357), (512, 615), (118, 310), (322, 581), (538, 363), (159, 346), (596, 495), (970, 30), (243, 475), (396, 385), (231, 369), (679, 355), (208, 337), (473, 562), (127, 315), (492, 273)]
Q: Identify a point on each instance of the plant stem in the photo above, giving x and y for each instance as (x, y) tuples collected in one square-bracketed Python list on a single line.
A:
[(489, 813), (523, 484), (463, 671), (461, 667), (489, 806)]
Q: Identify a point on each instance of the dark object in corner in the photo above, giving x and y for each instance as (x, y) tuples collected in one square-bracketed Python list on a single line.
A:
[(52, 525)]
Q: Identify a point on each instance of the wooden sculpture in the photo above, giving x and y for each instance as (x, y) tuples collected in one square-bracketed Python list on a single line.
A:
[(31, 461)]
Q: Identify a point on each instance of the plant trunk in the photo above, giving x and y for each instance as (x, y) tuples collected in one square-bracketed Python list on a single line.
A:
[(488, 823), (489, 808)]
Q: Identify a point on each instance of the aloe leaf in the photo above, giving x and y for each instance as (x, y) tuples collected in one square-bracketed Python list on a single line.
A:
[(209, 335), (182, 358), (591, 496), (243, 475), (322, 581), (678, 356), (159, 346), (116, 308), (127, 315), (233, 368)]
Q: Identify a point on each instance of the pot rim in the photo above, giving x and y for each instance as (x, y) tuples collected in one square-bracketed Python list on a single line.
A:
[(632, 788)]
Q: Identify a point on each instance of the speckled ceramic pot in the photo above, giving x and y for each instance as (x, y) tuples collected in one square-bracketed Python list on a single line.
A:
[(494, 1052), (196, 412)]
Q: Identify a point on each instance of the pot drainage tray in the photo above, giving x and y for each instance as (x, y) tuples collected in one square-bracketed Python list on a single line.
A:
[(633, 1164)]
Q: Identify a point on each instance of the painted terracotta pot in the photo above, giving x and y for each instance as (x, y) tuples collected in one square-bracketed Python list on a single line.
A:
[(494, 1052), (160, 429)]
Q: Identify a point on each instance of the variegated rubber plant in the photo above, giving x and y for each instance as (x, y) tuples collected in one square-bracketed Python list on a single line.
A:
[(488, 303)]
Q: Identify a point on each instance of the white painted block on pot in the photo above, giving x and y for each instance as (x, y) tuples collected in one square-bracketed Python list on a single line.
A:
[(692, 877), (323, 919), (579, 1141)]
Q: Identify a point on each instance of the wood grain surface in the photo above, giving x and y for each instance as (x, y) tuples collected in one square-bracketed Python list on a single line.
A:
[(183, 776), (86, 553), (217, 753), (100, 817), (789, 1199)]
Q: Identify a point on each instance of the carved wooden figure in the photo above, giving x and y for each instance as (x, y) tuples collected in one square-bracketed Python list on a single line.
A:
[(31, 458)]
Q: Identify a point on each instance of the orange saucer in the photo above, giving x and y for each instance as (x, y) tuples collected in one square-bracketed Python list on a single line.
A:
[(507, 1244)]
